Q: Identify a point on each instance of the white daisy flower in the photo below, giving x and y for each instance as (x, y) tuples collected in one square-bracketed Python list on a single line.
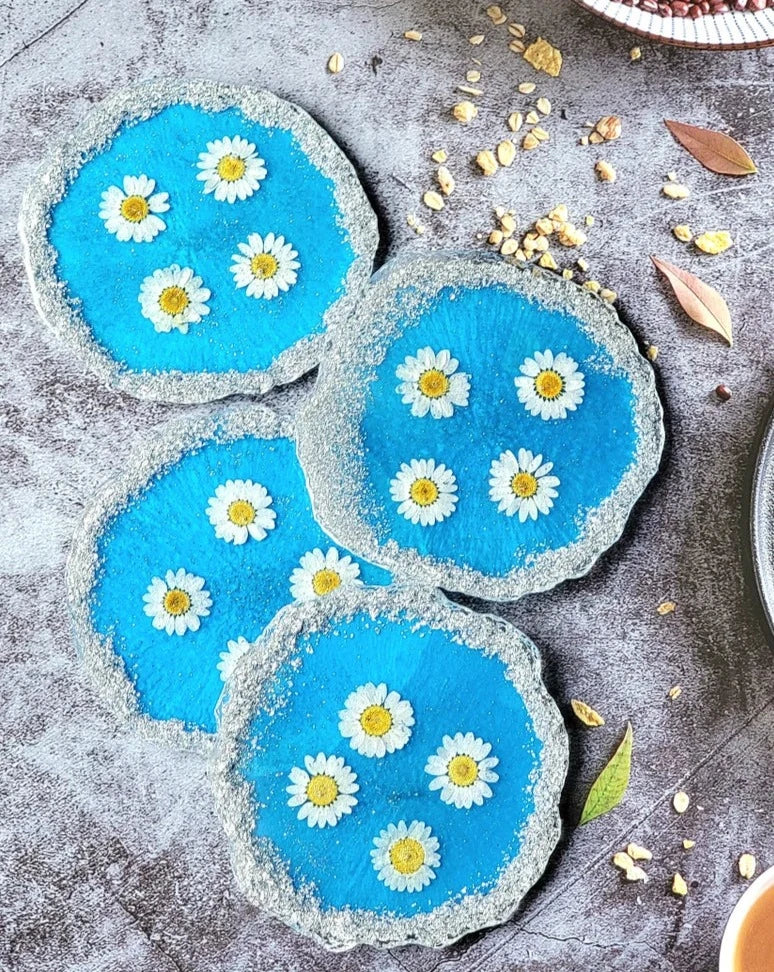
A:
[(462, 770), (522, 484), (173, 298), (320, 573), (431, 383), (425, 492), (550, 385), (131, 213), (240, 509), (405, 856), (176, 603), (231, 169), (228, 659), (265, 265), (322, 792), (376, 721)]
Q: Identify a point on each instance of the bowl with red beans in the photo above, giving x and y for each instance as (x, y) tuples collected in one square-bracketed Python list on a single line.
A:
[(708, 24)]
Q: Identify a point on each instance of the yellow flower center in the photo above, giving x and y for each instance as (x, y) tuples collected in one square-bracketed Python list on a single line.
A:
[(231, 168), (325, 581), (433, 383), (549, 384), (524, 485), (135, 208), (376, 720), (462, 770), (322, 790), (176, 602), (173, 300), (407, 855), (264, 265), (241, 513), (424, 492)]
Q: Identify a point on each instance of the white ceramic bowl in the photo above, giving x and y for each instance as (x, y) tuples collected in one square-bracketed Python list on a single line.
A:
[(730, 31), (762, 883)]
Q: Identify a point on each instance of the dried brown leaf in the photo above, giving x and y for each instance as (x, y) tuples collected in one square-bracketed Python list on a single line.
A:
[(716, 151), (702, 303)]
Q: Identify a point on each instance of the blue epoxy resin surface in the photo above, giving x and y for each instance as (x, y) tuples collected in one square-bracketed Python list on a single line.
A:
[(452, 688)]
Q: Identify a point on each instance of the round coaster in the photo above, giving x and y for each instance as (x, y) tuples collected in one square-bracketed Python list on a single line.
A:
[(479, 426), (388, 769), (182, 560), (192, 240)]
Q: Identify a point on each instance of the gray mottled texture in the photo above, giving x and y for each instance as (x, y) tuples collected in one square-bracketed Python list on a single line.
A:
[(111, 855)]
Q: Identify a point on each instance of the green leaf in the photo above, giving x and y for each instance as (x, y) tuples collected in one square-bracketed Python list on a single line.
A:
[(609, 787)]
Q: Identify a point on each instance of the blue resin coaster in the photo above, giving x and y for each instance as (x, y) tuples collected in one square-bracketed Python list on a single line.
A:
[(480, 427), (388, 769), (182, 561), (192, 240)]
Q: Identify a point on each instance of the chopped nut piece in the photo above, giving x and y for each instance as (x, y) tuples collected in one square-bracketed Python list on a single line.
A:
[(335, 63), (609, 127), (652, 352), (476, 39), (516, 46), (544, 106), (584, 140), (466, 89), (569, 235), (638, 853), (433, 200), (683, 233), (518, 30), (414, 35), (588, 220), (544, 57), (496, 14), (675, 191), (592, 285), (515, 121), (595, 139), (548, 261), (473, 76), (508, 224), (679, 887), (414, 223), (527, 87), (445, 180), (636, 874), (605, 171), (529, 142), (688, 844), (608, 295), (675, 692), (541, 244), (635, 53), (680, 801), (500, 211), (486, 161), (521, 255), (672, 176), (532, 118), (506, 152), (439, 156), (495, 237), (560, 213), (714, 243), (623, 861), (747, 866), (544, 226), (567, 273), (587, 715), (666, 607), (582, 264), (465, 111), (509, 247), (540, 133)]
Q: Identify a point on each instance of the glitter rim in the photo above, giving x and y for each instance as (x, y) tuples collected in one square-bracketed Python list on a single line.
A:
[(262, 872), (93, 134), (161, 449), (330, 448)]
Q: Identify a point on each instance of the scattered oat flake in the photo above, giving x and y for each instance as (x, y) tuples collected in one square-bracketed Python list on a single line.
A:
[(413, 35), (486, 161), (679, 887), (666, 607), (439, 156), (466, 89), (680, 801), (596, 139), (747, 866), (540, 133), (495, 237), (622, 861), (683, 232), (567, 273), (335, 63), (433, 200), (584, 140), (518, 30), (532, 118), (688, 844), (473, 76), (608, 295), (635, 53), (675, 190), (506, 152), (675, 692), (543, 106), (715, 242), (515, 121), (636, 874), (652, 352), (516, 46), (509, 247), (544, 57), (464, 111), (592, 285), (527, 87), (508, 224), (495, 14), (587, 715), (638, 853), (529, 142), (582, 264), (476, 39)]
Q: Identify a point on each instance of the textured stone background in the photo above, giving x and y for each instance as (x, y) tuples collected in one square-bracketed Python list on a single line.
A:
[(110, 854)]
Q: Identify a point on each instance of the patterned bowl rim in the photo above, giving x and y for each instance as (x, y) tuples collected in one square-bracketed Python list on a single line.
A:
[(735, 31)]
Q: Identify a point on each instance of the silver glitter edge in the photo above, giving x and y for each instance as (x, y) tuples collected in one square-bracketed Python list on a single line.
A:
[(260, 869), (141, 102), (330, 450), (164, 447)]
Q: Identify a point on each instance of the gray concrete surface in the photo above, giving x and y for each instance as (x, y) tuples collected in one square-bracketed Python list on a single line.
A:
[(111, 857)]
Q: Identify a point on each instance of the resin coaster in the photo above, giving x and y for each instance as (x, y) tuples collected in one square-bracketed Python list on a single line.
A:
[(480, 427), (183, 560), (192, 240), (388, 768)]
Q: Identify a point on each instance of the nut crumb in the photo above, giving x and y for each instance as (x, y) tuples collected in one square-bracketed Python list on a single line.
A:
[(605, 171), (567, 273), (509, 247), (636, 874), (638, 853), (652, 352), (679, 887), (683, 232), (584, 140), (582, 264), (674, 190), (464, 111), (433, 200), (439, 156), (486, 161), (559, 213), (335, 63), (635, 53), (569, 235), (592, 285), (608, 295), (445, 180), (623, 861), (688, 844), (506, 152), (747, 866), (508, 224), (672, 176), (547, 261), (495, 237), (716, 242), (413, 35), (681, 801), (515, 121), (666, 607), (588, 220), (595, 139), (675, 692)]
